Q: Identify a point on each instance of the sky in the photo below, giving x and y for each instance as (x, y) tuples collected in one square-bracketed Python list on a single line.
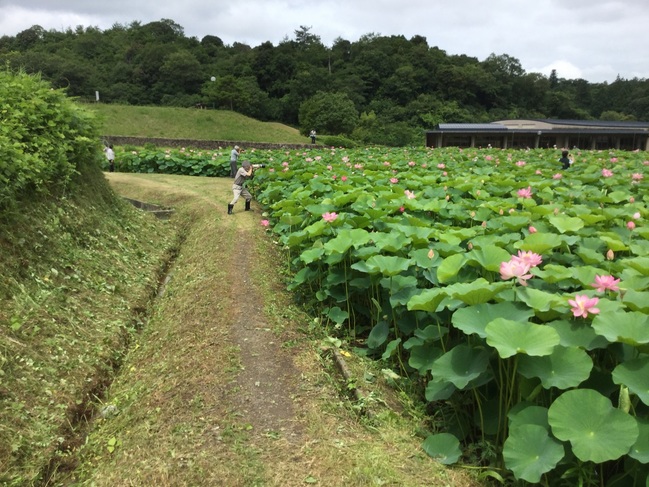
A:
[(596, 40)]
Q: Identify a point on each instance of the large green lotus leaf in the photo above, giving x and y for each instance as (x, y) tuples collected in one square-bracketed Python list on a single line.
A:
[(640, 247), (418, 234), (516, 222), (597, 431), (474, 319), (428, 300), (422, 357), (540, 300), (388, 265), (627, 327), (390, 242), (431, 332), (640, 264), (636, 301), (618, 196), (460, 365), (346, 238), (566, 224), (450, 239), (530, 451), (397, 282), (539, 242), (614, 241), (312, 255), (511, 337), (476, 292), (640, 449), (552, 273), (585, 274), (378, 335), (563, 368), (635, 375), (578, 334), (421, 258), (450, 267), (490, 257), (443, 447), (590, 256), (526, 413), (439, 390)]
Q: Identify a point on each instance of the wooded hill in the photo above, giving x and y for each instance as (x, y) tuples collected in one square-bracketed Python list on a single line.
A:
[(379, 89)]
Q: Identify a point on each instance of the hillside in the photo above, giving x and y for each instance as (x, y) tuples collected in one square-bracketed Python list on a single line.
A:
[(190, 123)]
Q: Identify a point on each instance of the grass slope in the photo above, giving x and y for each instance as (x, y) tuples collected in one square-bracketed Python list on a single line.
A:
[(190, 123)]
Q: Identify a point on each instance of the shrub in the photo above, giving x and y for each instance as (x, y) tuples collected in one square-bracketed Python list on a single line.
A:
[(44, 137)]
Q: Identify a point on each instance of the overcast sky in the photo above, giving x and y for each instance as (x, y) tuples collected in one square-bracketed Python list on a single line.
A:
[(596, 40)]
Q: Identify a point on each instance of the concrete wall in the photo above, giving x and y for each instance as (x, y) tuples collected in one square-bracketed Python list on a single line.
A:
[(198, 144)]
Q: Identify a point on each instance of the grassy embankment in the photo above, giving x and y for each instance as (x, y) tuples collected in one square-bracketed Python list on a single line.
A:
[(183, 123)]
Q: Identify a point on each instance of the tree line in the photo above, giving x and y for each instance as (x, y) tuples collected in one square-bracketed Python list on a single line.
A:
[(378, 89)]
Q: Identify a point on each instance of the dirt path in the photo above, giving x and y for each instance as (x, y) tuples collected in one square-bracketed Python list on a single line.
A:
[(225, 387)]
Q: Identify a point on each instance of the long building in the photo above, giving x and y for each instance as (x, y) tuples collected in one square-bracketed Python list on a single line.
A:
[(548, 133)]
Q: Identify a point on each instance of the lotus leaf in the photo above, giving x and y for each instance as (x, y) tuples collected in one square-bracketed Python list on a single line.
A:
[(490, 257), (539, 242), (626, 327), (513, 337), (578, 334), (388, 265), (596, 430), (530, 451), (563, 368), (566, 224), (443, 447), (439, 390), (450, 267), (640, 449), (422, 357), (461, 365), (474, 319), (635, 375)]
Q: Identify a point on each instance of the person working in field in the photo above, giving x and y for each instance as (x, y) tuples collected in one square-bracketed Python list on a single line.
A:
[(234, 156), (238, 187), (565, 160)]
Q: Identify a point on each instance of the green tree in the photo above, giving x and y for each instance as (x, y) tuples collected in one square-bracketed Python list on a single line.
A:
[(328, 113)]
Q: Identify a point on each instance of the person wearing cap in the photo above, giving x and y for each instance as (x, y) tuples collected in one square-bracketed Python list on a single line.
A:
[(234, 156), (238, 187)]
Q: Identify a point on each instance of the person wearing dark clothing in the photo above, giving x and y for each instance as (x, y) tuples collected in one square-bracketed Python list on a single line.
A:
[(565, 160), (234, 156), (312, 134)]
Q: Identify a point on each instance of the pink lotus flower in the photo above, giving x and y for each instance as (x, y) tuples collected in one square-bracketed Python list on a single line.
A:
[(525, 192), (484, 224), (265, 223), (636, 215), (515, 269), (582, 305), (614, 159), (488, 158), (637, 176), (557, 176), (431, 253), (610, 255), (602, 283), (412, 163), (538, 171), (630, 225), (409, 194), (631, 199), (358, 166), (606, 173), (345, 158), (402, 209), (394, 180), (520, 163), (386, 163), (528, 257), (440, 166), (329, 217), (532, 229), (343, 178)]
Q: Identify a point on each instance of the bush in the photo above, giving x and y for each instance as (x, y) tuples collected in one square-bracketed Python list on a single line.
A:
[(338, 141), (45, 137)]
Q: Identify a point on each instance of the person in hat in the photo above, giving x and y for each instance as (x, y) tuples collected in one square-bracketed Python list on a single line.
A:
[(238, 186), (234, 156)]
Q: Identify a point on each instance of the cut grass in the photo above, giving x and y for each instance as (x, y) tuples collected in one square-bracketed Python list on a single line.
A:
[(189, 123)]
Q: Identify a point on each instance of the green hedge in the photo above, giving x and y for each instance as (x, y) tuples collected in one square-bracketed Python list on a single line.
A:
[(44, 137)]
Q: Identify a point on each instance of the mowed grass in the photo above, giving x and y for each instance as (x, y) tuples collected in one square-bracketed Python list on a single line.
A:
[(190, 123)]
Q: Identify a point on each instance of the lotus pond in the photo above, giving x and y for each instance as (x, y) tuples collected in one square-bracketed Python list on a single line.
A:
[(515, 292)]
